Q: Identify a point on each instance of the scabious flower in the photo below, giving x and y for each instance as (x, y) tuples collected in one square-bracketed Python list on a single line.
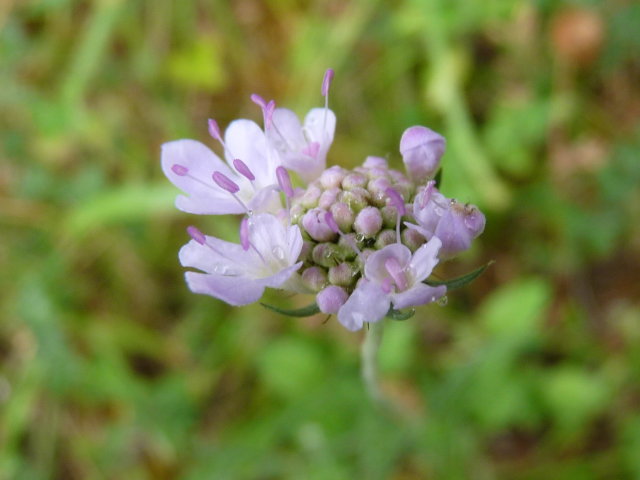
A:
[(363, 241)]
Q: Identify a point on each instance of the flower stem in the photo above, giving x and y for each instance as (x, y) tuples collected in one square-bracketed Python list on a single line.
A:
[(369, 359)]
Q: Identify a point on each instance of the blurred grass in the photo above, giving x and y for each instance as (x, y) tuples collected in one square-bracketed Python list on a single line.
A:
[(110, 368)]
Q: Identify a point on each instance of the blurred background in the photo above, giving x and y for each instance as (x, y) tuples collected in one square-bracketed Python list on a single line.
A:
[(110, 368)]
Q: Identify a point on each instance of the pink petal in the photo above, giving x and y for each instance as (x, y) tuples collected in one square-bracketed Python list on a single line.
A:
[(233, 290), (367, 303), (419, 294)]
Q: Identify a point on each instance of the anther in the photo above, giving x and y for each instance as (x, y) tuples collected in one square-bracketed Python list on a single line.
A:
[(214, 130), (179, 170), (326, 81), (243, 169), (197, 235), (225, 182), (284, 181)]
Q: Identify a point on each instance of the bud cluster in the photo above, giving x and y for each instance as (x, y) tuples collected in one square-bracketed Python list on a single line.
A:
[(359, 202)]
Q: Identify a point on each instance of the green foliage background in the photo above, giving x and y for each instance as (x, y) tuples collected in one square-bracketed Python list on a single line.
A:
[(110, 368)]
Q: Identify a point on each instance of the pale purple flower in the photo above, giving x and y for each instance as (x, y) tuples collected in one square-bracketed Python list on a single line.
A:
[(190, 165), (392, 276), (454, 223), (302, 147), (238, 274), (421, 149)]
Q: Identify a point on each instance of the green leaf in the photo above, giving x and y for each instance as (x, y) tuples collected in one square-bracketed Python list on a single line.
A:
[(398, 315), (459, 281), (300, 312)]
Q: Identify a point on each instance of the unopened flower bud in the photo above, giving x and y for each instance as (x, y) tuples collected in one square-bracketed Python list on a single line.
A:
[(347, 243), (458, 227), (314, 278), (342, 274), (309, 198), (296, 213), (332, 177), (368, 222), (355, 200), (354, 180), (412, 239), (331, 299), (385, 237), (421, 149), (375, 162), (328, 198), (327, 254), (389, 216), (305, 252), (343, 215), (316, 226), (377, 187)]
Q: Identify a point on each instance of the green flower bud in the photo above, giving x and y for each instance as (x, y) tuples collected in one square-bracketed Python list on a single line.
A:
[(412, 239), (343, 274), (315, 278), (385, 237), (343, 215)]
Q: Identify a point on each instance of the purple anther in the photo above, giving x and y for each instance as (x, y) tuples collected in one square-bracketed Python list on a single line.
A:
[(396, 200), (326, 81), (244, 234), (243, 169), (214, 130), (312, 149), (258, 100), (197, 235), (331, 222), (225, 182), (284, 181), (179, 170)]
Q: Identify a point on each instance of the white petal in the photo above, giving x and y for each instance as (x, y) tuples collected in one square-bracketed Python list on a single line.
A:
[(425, 259)]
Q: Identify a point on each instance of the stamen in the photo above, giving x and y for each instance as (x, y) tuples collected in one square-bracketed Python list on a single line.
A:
[(243, 169), (197, 235), (326, 82), (396, 200), (179, 170), (214, 130), (333, 225), (284, 181), (244, 234), (258, 100), (225, 182), (393, 267), (230, 186)]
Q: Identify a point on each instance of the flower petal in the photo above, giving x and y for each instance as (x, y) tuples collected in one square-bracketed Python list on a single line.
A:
[(233, 290), (205, 197), (367, 303), (374, 268), (419, 294), (425, 259), (277, 280), (245, 140)]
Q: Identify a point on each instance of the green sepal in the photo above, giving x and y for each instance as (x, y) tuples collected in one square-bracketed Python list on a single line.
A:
[(459, 281), (399, 315), (299, 312)]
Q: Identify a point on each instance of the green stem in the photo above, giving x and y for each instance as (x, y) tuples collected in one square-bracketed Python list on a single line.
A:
[(369, 359)]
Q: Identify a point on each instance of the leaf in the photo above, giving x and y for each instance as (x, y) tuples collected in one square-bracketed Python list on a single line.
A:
[(459, 281), (399, 315), (300, 312)]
